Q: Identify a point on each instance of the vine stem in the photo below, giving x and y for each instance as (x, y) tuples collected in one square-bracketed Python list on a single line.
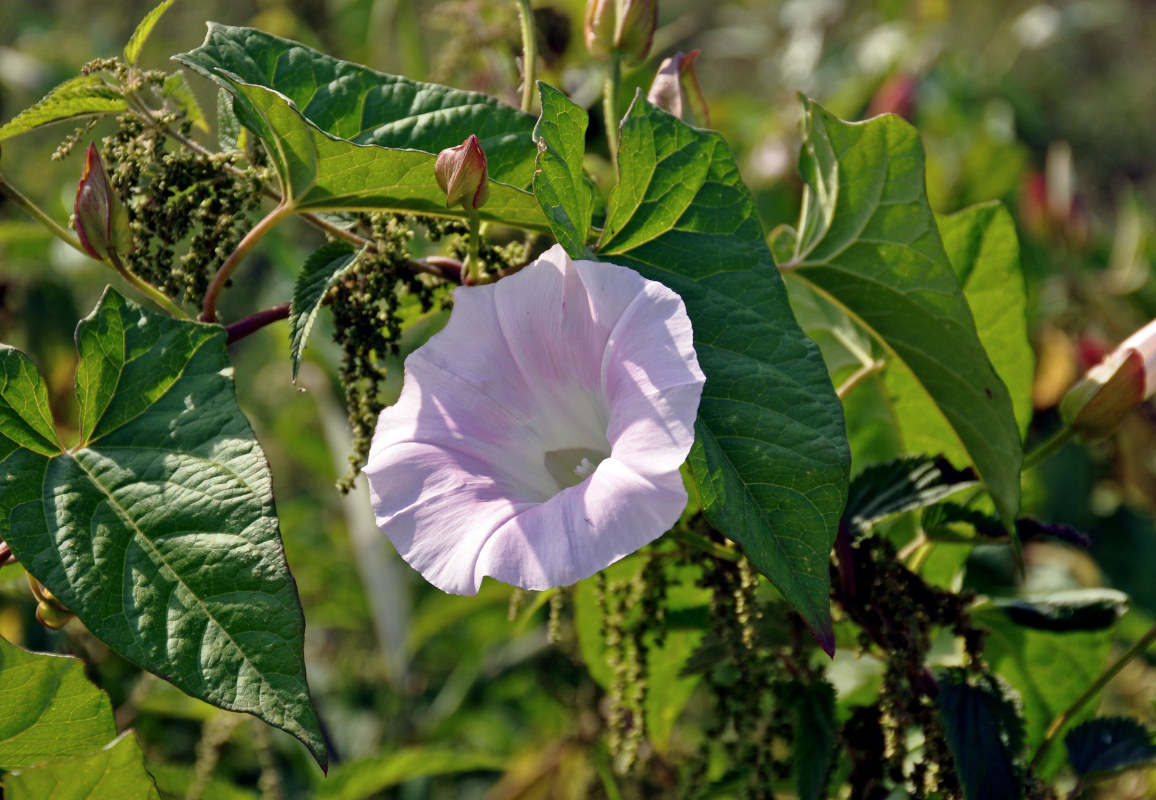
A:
[(254, 322), (1049, 448), (610, 103), (529, 53), (34, 211), (472, 270), (1142, 644), (146, 288), (209, 309)]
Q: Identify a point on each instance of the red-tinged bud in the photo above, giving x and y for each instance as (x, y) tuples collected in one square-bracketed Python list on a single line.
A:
[(675, 88), (1119, 383), (625, 26), (101, 218), (895, 96), (461, 172)]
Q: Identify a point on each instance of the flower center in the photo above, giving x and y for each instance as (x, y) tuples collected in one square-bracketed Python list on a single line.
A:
[(572, 465)]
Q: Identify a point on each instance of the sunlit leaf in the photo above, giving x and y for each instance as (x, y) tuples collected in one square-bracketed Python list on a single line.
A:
[(82, 96), (115, 773), (563, 190)]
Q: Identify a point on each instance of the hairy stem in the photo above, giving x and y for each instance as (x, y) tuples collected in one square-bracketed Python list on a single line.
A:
[(254, 322), (1142, 644), (472, 270), (209, 309), (529, 53)]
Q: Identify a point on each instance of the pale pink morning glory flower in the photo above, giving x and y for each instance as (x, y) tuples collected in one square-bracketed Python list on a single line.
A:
[(538, 437)]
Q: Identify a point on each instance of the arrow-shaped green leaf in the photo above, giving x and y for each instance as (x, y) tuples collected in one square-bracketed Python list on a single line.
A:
[(158, 530), (770, 457), (868, 242)]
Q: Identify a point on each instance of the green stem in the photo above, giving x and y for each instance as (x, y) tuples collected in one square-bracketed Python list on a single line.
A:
[(209, 309), (473, 263), (1097, 686), (860, 375), (146, 288), (705, 545), (34, 211), (529, 53), (610, 104), (1049, 448)]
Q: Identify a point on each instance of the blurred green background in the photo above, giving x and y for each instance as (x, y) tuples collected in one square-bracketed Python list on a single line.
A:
[(1047, 107)]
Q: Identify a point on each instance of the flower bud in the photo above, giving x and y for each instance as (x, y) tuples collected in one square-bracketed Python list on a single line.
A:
[(1119, 383), (101, 218), (625, 26), (675, 89), (461, 172)]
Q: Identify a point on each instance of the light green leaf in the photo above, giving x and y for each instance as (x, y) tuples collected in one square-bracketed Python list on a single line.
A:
[(770, 458), (177, 89), (868, 242), (158, 529), (82, 96), (321, 271), (51, 711), (562, 189), (322, 173), (25, 416), (360, 105), (141, 34), (367, 778), (115, 773)]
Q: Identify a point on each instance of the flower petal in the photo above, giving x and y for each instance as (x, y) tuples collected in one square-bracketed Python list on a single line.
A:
[(583, 529), (583, 362)]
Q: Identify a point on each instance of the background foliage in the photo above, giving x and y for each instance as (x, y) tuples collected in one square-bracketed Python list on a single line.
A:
[(1045, 107)]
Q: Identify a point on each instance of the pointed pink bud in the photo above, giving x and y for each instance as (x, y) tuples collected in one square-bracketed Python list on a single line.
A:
[(101, 218), (1124, 379), (461, 172), (675, 89), (625, 26)]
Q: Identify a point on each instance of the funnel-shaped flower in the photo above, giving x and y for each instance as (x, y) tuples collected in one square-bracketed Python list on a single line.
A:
[(538, 437), (101, 218), (1124, 379)]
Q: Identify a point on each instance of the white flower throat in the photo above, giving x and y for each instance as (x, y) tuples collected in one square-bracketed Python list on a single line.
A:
[(572, 465)]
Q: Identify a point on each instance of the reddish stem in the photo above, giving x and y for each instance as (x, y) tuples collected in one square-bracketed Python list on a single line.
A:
[(243, 327)]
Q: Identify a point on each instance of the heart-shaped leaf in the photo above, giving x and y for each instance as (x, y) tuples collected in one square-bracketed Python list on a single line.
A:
[(158, 529), (770, 457)]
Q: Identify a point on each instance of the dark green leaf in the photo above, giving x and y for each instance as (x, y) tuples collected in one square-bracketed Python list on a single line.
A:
[(770, 458), (82, 96), (984, 733), (868, 242), (141, 34), (1049, 669), (51, 711), (158, 529), (355, 103), (371, 776), (812, 710), (115, 773), (902, 485), (1071, 610), (321, 271), (562, 189), (319, 172), (1106, 745)]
